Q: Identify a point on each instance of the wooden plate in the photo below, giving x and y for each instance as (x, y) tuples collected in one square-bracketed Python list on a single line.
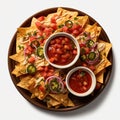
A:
[(79, 102)]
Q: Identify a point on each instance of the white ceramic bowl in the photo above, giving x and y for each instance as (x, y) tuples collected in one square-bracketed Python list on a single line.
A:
[(92, 87), (68, 36)]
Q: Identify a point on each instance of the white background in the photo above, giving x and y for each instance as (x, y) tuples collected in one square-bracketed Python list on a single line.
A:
[(13, 106)]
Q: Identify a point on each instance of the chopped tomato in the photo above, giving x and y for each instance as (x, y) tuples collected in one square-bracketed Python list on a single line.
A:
[(41, 18), (87, 50), (48, 31), (40, 68), (32, 38), (28, 50), (75, 52), (38, 24), (65, 29), (92, 67), (53, 19), (75, 32), (31, 59), (46, 71), (41, 88), (53, 25)]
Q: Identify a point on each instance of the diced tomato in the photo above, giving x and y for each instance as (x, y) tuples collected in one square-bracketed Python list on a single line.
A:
[(53, 19), (44, 74), (40, 33), (92, 67), (75, 32), (38, 24), (48, 31), (28, 50), (40, 68), (75, 26), (66, 47), (32, 38), (49, 74), (31, 59), (87, 50), (65, 29), (52, 60), (41, 88), (46, 69), (75, 52), (84, 64), (53, 25), (41, 18), (82, 45)]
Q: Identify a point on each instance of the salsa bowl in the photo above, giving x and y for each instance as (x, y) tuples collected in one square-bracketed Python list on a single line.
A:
[(81, 81), (61, 50)]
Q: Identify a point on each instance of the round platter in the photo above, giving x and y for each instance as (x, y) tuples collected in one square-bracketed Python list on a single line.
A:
[(79, 102)]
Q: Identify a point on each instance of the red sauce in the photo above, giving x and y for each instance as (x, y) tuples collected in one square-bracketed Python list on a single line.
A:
[(61, 50), (80, 81)]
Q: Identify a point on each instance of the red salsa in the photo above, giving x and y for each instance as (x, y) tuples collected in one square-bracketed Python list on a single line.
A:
[(80, 81), (61, 50)]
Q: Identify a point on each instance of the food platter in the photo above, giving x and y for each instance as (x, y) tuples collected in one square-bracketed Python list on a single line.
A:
[(78, 101)]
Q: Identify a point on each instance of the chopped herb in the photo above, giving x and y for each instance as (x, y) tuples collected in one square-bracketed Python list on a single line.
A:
[(34, 33), (20, 47), (60, 26), (75, 18), (82, 73)]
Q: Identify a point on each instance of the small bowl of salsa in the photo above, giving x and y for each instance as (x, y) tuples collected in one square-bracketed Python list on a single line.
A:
[(61, 50), (80, 81)]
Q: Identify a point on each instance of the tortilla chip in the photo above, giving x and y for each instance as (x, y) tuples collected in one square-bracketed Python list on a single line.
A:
[(70, 103), (22, 31), (94, 31), (66, 13), (25, 82), (34, 20), (107, 48), (63, 99), (18, 57), (82, 20), (16, 71), (102, 65), (51, 102), (100, 76), (19, 70)]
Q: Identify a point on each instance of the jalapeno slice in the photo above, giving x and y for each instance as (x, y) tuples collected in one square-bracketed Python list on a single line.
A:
[(31, 69), (40, 52), (83, 57), (91, 55), (90, 43), (69, 23)]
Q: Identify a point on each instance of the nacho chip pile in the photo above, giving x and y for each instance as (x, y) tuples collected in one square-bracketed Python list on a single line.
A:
[(33, 69)]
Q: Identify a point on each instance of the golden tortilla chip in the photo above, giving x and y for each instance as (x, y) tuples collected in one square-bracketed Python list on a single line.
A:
[(107, 48), (18, 57), (82, 20), (63, 99), (19, 70), (51, 102), (66, 13), (94, 31), (100, 76), (102, 65), (21, 34), (25, 82)]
